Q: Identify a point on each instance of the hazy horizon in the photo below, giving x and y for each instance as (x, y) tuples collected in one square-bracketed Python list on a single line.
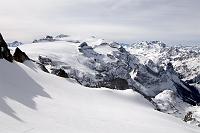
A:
[(170, 21)]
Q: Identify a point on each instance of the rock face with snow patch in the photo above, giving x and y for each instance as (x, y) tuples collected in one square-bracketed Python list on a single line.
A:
[(60, 73), (44, 60), (112, 66), (166, 101), (21, 57), (46, 39), (185, 59), (4, 51), (15, 44)]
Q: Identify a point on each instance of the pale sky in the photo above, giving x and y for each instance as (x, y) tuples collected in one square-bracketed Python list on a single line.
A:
[(121, 20)]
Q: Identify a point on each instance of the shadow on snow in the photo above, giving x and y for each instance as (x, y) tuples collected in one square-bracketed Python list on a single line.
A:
[(17, 85)]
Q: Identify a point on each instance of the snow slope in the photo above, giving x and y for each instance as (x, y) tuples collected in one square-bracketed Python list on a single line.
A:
[(36, 102), (98, 61)]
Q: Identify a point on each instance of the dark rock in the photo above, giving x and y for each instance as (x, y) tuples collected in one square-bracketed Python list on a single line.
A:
[(43, 68), (44, 60), (111, 56), (83, 44), (35, 41), (73, 41), (104, 44), (86, 50), (151, 71), (60, 73), (117, 83), (49, 37), (190, 95), (62, 36), (122, 49), (170, 66), (120, 84), (188, 117), (20, 56), (170, 69), (194, 80), (46, 39), (4, 51), (115, 45)]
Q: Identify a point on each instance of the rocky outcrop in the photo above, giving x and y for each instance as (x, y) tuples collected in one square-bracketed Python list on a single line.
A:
[(114, 71), (62, 36), (42, 67), (46, 39), (60, 73), (4, 51), (185, 59), (44, 60), (87, 50), (117, 83), (83, 45), (188, 117), (15, 44), (188, 93), (116, 68), (20, 56), (196, 80)]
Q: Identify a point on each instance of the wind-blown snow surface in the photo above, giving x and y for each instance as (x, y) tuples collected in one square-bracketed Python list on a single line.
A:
[(36, 102)]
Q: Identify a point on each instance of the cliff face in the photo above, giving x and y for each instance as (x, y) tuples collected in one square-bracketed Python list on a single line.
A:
[(4, 51), (20, 56)]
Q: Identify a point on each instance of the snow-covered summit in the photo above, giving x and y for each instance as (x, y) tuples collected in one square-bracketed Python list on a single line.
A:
[(149, 45), (15, 44), (184, 59)]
